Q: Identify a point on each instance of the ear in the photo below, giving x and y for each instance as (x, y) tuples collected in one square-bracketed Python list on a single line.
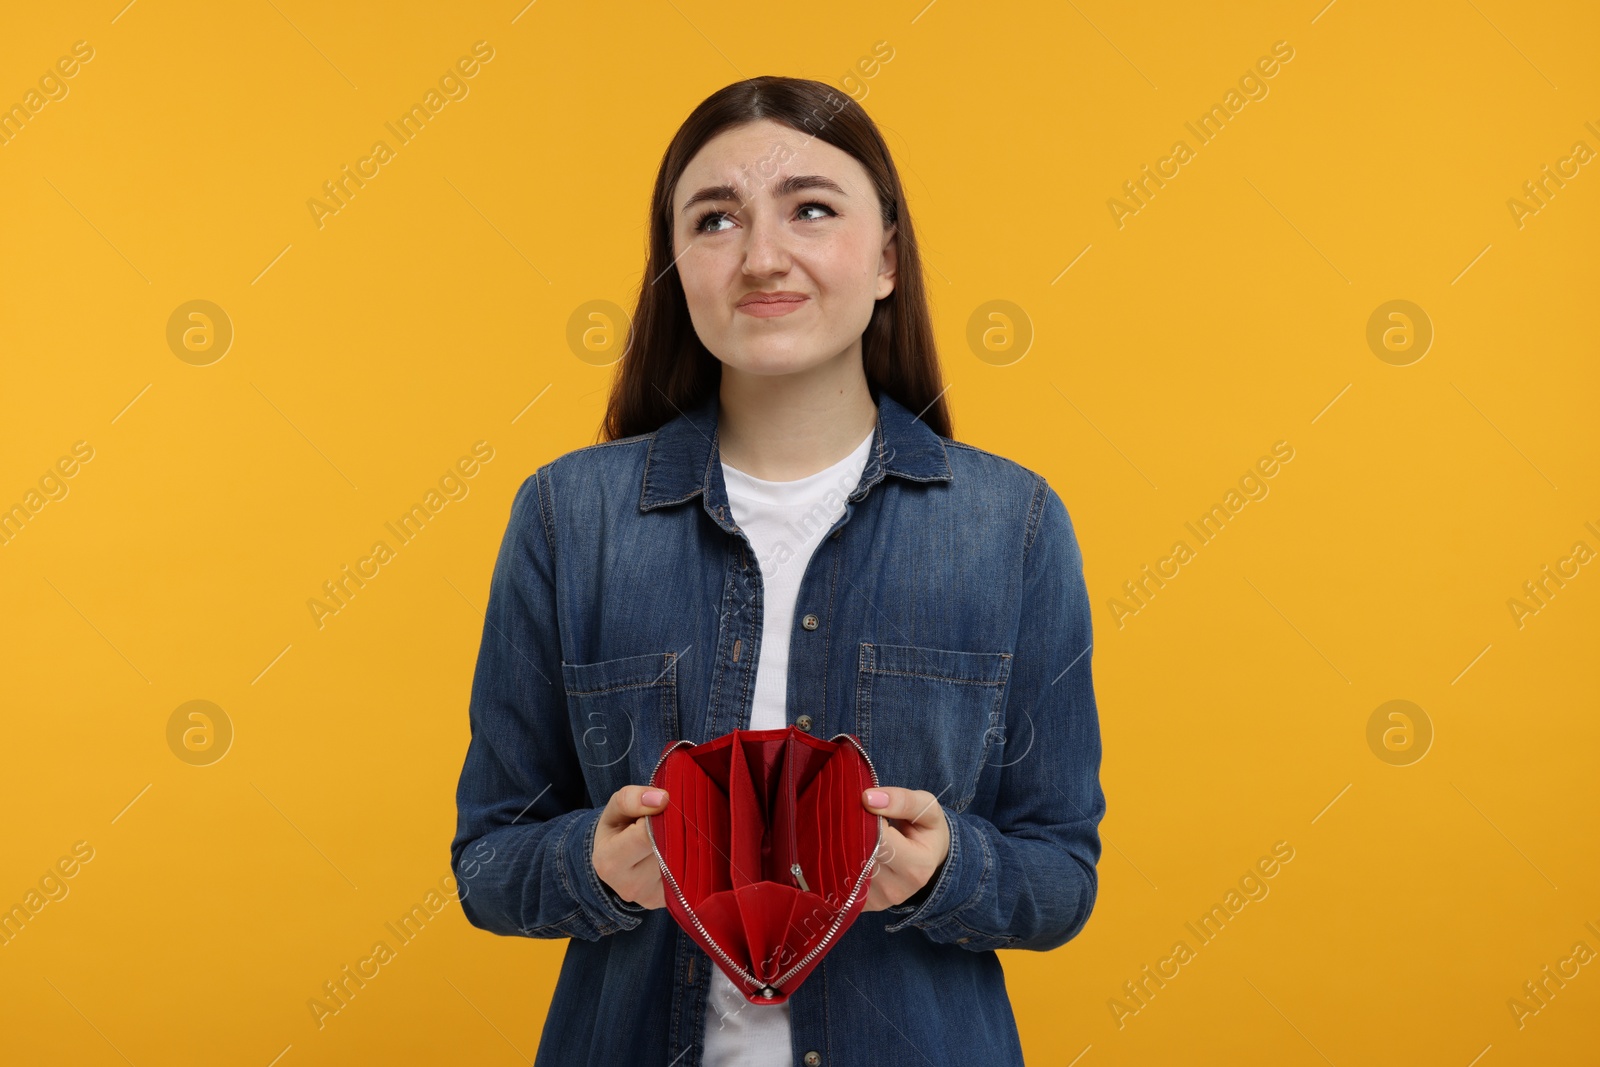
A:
[(889, 265)]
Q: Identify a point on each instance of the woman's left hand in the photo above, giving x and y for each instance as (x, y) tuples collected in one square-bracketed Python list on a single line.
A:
[(916, 840)]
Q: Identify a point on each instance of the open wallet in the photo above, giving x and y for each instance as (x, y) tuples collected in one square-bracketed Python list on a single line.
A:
[(766, 850)]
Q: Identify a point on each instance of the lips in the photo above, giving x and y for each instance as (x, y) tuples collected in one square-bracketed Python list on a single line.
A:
[(766, 305)]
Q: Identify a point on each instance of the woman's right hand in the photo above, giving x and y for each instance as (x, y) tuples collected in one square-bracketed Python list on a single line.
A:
[(622, 855)]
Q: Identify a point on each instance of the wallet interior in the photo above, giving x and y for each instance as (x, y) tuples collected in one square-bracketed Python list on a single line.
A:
[(745, 808)]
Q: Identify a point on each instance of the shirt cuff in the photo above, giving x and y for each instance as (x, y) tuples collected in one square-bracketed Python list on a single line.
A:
[(954, 885), (606, 912)]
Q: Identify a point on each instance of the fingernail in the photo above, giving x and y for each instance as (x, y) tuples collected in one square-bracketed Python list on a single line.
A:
[(653, 797), (877, 798)]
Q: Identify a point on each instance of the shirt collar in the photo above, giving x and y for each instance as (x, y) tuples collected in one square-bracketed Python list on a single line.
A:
[(684, 457)]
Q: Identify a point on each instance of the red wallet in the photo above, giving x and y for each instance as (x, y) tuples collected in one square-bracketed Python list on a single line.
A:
[(766, 850)]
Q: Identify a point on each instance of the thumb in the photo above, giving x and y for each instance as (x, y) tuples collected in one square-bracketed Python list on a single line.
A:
[(909, 805), (631, 802)]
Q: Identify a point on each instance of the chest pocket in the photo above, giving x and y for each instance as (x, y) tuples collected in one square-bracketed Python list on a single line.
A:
[(928, 715), (624, 712)]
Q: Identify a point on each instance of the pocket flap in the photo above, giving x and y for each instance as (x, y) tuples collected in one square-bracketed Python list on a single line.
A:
[(976, 668), (652, 668)]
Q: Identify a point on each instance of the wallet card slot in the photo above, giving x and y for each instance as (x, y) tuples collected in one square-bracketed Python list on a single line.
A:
[(844, 845), (747, 822), (700, 809), (668, 828), (846, 842), (711, 810), (811, 812), (783, 838)]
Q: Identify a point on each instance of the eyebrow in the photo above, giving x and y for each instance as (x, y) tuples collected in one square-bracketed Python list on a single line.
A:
[(792, 184)]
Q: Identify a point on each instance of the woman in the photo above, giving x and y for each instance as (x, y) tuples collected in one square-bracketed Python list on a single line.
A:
[(777, 529)]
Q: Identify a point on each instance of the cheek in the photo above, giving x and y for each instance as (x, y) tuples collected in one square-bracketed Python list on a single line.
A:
[(699, 283), (857, 268)]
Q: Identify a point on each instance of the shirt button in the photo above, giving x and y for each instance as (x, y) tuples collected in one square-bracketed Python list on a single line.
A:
[(809, 622), (812, 1058), (804, 723)]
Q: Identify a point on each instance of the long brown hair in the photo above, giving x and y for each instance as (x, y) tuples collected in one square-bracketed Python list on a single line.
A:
[(665, 369)]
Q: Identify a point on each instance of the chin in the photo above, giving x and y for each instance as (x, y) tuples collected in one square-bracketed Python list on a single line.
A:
[(772, 363)]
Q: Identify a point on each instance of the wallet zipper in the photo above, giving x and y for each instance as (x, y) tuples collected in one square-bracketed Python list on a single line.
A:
[(794, 841), (678, 892), (855, 891)]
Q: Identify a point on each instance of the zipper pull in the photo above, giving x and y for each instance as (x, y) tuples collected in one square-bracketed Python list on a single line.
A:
[(794, 869)]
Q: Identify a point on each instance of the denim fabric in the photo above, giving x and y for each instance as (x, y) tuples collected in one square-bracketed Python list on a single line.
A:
[(952, 637)]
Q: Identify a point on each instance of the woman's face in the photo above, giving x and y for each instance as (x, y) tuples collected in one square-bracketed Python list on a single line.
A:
[(764, 210)]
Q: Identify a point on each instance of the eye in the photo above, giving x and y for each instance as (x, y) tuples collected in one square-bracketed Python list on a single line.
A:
[(818, 204), (700, 224), (703, 223)]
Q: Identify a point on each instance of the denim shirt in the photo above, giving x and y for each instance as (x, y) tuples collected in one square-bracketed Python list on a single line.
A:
[(942, 620)]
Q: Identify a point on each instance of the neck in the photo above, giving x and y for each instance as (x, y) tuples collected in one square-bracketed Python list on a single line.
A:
[(787, 426)]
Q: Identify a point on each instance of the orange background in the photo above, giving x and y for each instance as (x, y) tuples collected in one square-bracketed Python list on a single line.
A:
[(1142, 367)]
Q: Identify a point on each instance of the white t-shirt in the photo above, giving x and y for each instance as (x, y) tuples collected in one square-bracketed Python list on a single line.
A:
[(785, 521)]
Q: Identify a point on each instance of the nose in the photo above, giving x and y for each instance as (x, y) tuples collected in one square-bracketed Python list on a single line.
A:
[(766, 246)]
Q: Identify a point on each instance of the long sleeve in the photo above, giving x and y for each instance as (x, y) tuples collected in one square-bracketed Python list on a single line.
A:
[(524, 842), (1026, 876)]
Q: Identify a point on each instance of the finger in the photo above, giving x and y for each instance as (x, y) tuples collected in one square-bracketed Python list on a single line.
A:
[(916, 806), (630, 802), (888, 849), (647, 875), (632, 845)]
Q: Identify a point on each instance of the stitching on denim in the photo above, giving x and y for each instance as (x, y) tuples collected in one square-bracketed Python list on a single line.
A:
[(653, 666), (748, 672), (1006, 461), (546, 519), (940, 677), (622, 685), (644, 484), (827, 640), (983, 874), (941, 887), (671, 728), (618, 919), (952, 443), (1041, 489), (864, 661), (1006, 939), (607, 444), (728, 606), (566, 880), (558, 927), (561, 865)]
